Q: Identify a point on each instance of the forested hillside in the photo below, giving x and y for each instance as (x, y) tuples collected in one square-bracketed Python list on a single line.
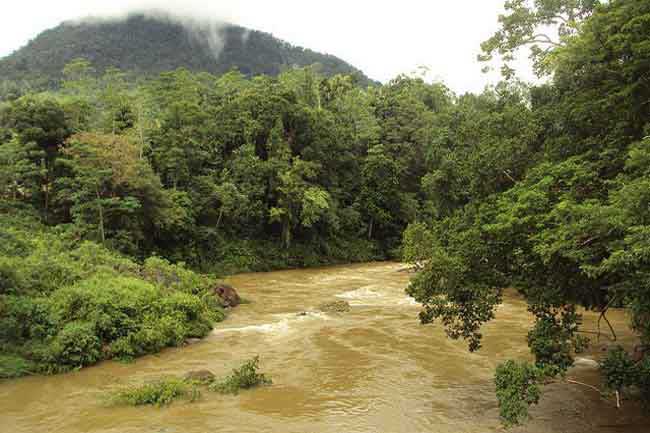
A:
[(150, 43), (544, 188)]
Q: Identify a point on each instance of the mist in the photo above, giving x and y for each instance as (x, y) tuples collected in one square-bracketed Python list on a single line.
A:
[(205, 29)]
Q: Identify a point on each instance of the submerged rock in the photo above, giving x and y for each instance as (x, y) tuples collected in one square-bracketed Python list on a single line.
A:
[(334, 307), (202, 376), (228, 295)]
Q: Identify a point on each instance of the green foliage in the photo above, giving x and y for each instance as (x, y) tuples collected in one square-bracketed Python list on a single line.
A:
[(619, 370), (562, 215), (517, 388), (417, 243), (75, 345), (525, 25), (12, 366), (161, 392), (552, 339), (244, 377), (65, 305)]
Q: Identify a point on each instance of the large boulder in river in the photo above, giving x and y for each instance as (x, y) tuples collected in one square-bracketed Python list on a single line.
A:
[(228, 295)]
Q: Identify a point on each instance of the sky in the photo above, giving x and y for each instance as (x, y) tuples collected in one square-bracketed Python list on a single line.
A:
[(382, 38)]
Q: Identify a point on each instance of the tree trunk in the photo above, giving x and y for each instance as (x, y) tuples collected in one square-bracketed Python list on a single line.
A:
[(372, 221), (219, 218), (286, 234)]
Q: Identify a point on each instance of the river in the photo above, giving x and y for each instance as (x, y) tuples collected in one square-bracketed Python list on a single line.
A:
[(374, 369)]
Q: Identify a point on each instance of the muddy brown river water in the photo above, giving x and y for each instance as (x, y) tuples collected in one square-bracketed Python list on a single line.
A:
[(372, 370)]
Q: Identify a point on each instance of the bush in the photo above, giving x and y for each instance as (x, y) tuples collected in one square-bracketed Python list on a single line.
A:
[(517, 388), (174, 276), (618, 369), (244, 377), (159, 393), (24, 318), (64, 307), (76, 345)]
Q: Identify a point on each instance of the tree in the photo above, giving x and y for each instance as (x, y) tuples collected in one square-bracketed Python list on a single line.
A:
[(417, 242), (569, 230), (19, 174), (529, 23), (380, 196), (103, 167), (41, 127)]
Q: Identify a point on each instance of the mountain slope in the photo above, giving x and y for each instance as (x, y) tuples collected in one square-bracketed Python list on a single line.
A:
[(150, 44)]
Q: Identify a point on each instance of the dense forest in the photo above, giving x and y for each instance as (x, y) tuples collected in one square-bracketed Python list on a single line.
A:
[(109, 180), (148, 43)]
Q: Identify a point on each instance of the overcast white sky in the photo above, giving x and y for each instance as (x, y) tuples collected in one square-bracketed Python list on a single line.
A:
[(383, 38)]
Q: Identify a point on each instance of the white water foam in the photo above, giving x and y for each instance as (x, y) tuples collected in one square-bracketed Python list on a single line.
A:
[(281, 327), (372, 296)]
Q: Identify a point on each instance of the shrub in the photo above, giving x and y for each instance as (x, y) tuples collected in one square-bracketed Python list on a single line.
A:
[(76, 345), (23, 318), (618, 369), (159, 393), (244, 377)]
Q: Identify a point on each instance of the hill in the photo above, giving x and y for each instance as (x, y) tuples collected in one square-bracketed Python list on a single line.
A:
[(150, 43)]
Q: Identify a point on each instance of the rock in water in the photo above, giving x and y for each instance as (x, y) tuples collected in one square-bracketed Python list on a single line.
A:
[(228, 295), (201, 376), (334, 307)]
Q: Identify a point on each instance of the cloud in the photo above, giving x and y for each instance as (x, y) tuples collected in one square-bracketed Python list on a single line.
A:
[(204, 29)]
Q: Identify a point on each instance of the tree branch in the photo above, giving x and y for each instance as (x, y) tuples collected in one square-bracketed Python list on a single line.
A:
[(603, 316)]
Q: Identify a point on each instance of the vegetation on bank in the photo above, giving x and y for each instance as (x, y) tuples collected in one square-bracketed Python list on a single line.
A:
[(66, 303), (164, 391)]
